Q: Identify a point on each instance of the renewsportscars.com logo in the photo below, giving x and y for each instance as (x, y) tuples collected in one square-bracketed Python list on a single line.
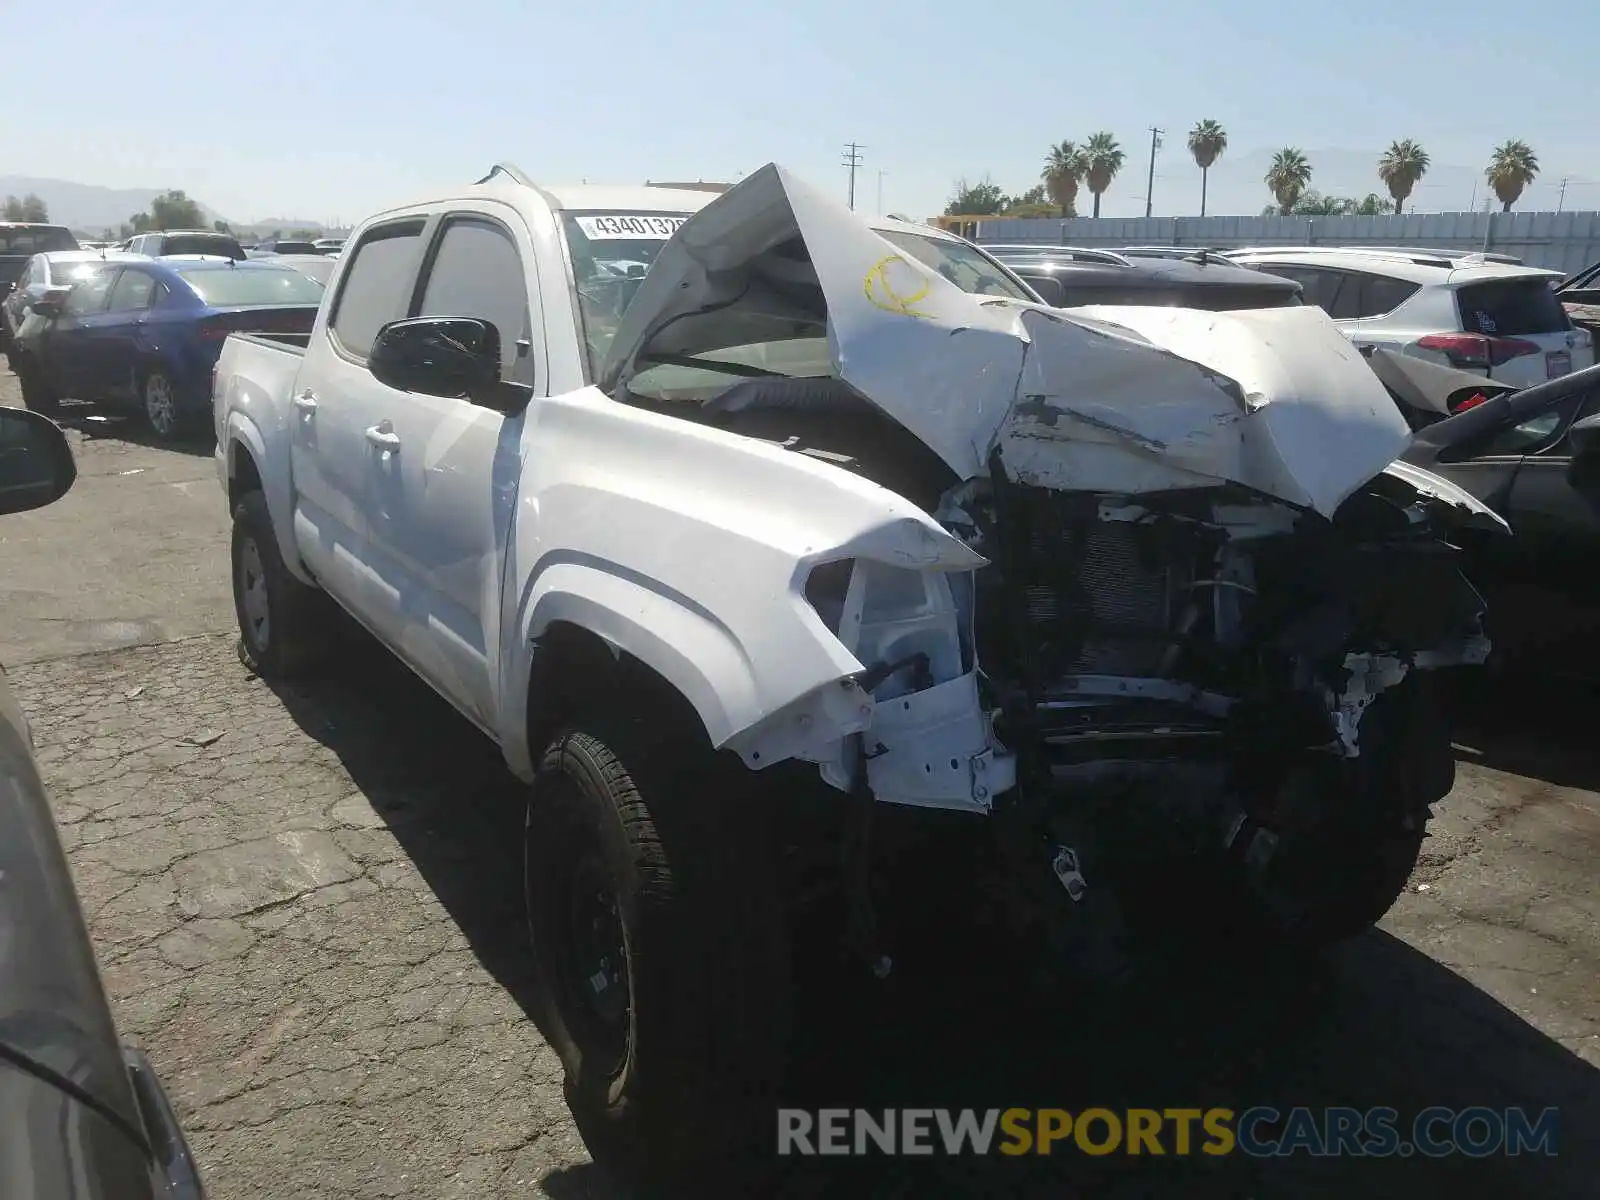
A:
[(1259, 1132)]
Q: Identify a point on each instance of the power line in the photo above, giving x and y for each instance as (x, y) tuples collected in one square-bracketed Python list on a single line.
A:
[(852, 159), (1150, 185)]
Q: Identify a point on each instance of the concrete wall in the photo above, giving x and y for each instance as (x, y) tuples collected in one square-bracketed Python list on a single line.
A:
[(1561, 241)]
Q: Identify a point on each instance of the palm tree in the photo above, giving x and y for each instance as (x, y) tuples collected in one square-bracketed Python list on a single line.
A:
[(1102, 159), (1063, 170), (1402, 165), (1288, 177), (1207, 141), (1511, 168)]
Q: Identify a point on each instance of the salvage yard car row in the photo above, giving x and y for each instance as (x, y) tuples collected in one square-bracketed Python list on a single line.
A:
[(144, 332), (778, 507), (739, 524)]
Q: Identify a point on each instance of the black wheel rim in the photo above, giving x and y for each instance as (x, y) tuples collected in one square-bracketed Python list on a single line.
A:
[(587, 945)]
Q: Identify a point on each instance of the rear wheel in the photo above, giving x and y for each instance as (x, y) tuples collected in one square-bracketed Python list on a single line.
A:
[(663, 961), (162, 409), (285, 627)]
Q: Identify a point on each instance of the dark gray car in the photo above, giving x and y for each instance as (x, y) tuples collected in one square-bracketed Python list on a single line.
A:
[(1534, 457), (81, 1115), (1069, 276)]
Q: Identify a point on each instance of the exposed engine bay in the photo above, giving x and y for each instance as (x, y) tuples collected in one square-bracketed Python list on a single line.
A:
[(1120, 640), (1190, 592)]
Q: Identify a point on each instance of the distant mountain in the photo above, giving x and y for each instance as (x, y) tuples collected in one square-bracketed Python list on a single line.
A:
[(285, 225), (86, 206)]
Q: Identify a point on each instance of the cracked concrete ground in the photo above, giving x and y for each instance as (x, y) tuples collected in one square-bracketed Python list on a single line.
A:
[(306, 906)]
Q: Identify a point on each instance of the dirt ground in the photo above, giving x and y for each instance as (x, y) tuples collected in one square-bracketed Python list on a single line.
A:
[(306, 905)]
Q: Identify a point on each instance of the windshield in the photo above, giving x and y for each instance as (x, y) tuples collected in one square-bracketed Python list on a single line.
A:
[(252, 287), (73, 270), (35, 239), (965, 266), (611, 251)]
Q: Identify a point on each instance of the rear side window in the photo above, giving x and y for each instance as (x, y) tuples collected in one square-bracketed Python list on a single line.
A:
[(132, 290), (476, 272), (1318, 287), (376, 284), (1511, 307), (1374, 295)]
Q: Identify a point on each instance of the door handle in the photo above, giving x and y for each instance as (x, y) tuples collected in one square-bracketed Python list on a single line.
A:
[(384, 438), (306, 402)]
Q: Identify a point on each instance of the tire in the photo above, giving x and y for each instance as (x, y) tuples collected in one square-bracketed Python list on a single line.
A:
[(285, 627), (670, 1014), (37, 395), (163, 410), (1351, 850)]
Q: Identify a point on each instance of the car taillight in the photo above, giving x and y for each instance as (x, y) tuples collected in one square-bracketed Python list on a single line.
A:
[(1476, 349), (1471, 401)]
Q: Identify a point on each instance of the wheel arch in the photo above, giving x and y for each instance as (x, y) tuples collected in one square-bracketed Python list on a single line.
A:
[(250, 467)]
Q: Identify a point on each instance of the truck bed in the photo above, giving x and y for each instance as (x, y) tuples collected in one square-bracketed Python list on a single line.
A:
[(294, 343)]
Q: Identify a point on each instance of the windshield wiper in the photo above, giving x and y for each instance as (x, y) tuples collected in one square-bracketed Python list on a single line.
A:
[(743, 370)]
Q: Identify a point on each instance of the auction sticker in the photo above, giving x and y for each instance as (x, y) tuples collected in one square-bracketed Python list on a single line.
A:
[(613, 226)]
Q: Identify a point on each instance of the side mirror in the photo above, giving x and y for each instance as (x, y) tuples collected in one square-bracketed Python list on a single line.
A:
[(1050, 289), (1585, 435), (438, 356), (51, 303), (36, 466)]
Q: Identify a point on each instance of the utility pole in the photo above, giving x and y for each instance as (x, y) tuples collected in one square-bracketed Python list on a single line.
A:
[(881, 174), (1150, 186), (1562, 198), (852, 159)]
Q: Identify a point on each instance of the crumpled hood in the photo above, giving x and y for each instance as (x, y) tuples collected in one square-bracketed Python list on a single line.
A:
[(1105, 399)]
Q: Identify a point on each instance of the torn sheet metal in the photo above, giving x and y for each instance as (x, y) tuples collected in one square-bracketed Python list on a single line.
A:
[(1110, 399), (1472, 511)]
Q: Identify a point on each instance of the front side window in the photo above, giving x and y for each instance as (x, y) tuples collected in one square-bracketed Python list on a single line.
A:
[(377, 284), (477, 272), (88, 294)]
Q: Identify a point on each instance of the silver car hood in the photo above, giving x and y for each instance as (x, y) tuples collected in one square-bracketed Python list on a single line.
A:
[(1122, 400)]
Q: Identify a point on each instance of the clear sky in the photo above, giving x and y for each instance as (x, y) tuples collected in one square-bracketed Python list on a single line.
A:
[(337, 108)]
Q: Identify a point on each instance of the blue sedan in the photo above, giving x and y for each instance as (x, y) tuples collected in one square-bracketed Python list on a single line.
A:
[(148, 333)]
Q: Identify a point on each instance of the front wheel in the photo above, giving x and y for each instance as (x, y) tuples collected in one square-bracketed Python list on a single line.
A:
[(284, 625), (1350, 831), (661, 951)]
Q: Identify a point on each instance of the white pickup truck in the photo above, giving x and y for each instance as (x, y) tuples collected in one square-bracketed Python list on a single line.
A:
[(744, 529)]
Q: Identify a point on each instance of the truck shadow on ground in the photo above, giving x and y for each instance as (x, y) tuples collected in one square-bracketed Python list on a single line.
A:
[(1373, 1023)]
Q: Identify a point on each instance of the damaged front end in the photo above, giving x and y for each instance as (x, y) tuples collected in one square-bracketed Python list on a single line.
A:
[(1203, 574)]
